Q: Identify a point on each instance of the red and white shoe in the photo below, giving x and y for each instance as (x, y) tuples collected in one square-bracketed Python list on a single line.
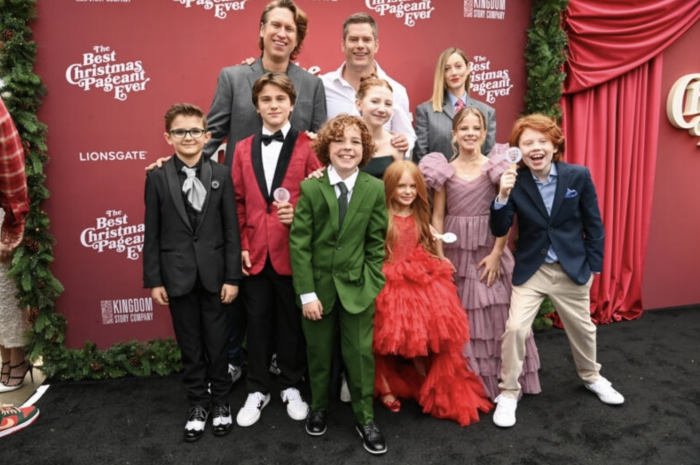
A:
[(15, 419)]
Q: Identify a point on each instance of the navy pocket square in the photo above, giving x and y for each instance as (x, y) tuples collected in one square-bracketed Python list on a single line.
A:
[(570, 193)]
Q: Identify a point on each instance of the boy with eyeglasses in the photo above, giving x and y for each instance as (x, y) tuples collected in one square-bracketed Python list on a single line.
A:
[(192, 262)]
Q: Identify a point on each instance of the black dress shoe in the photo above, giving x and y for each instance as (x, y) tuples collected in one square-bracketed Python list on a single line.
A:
[(223, 422), (316, 422), (196, 423), (373, 439)]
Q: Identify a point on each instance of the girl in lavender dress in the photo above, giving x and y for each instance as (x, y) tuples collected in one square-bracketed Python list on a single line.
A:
[(463, 190)]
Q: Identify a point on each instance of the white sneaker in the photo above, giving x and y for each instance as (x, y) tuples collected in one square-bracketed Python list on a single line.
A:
[(605, 392), (344, 390), (297, 409), (504, 416), (250, 413), (234, 372)]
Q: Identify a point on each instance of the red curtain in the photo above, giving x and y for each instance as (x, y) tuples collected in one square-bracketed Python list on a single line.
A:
[(612, 106)]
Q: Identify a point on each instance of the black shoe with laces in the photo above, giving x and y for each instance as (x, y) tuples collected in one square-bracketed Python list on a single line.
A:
[(222, 422), (316, 422), (196, 423), (372, 438)]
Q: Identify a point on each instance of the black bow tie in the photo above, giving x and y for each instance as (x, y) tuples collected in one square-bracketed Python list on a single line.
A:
[(267, 138)]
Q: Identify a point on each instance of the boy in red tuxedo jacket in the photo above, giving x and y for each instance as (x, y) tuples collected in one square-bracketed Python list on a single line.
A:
[(265, 165)]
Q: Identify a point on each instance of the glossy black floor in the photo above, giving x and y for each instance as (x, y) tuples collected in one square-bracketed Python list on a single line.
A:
[(653, 361)]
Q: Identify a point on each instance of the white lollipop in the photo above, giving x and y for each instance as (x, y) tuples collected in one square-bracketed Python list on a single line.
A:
[(281, 195), (514, 155), (447, 238)]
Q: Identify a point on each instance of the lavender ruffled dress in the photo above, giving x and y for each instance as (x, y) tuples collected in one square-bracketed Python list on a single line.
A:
[(467, 216)]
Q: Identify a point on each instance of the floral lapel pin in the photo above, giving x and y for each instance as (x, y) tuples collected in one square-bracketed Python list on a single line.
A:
[(215, 184)]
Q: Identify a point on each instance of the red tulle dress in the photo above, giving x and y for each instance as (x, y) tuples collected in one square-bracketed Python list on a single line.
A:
[(418, 314)]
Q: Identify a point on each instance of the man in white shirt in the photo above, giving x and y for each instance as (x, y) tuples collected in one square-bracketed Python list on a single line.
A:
[(360, 44)]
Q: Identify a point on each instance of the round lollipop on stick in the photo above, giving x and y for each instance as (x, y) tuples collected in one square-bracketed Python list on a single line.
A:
[(513, 155), (281, 195)]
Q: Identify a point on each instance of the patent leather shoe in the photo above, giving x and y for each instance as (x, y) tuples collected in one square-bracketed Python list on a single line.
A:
[(196, 423), (316, 422), (373, 439), (222, 422)]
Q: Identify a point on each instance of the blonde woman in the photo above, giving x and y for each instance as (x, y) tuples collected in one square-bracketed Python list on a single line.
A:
[(450, 94)]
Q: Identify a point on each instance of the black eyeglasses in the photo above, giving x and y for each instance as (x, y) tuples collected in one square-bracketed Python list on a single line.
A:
[(181, 133)]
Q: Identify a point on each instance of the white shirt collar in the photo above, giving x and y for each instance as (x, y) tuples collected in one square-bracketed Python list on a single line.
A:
[(285, 129), (553, 173), (454, 99), (338, 74), (335, 178)]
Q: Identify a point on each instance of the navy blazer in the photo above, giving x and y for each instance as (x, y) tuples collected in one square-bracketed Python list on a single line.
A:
[(575, 227)]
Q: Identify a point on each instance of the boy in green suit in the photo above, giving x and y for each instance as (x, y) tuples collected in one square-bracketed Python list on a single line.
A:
[(337, 251)]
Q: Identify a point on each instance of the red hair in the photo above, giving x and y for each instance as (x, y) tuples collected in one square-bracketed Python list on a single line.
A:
[(540, 123), (421, 206)]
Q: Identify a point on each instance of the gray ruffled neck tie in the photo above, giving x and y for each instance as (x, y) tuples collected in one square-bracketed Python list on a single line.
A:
[(193, 187)]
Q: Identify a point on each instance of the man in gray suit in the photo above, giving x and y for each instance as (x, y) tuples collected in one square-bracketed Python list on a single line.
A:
[(283, 27), (232, 114)]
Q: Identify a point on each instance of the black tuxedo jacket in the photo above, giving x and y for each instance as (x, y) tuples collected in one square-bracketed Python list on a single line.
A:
[(175, 252), (575, 227)]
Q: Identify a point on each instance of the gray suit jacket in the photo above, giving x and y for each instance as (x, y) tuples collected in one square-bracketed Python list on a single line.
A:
[(233, 115), (434, 129)]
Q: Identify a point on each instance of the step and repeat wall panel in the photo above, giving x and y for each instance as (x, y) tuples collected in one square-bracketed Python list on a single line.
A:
[(112, 69)]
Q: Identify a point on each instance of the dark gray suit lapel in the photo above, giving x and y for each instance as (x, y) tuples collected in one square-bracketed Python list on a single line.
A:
[(256, 70), (562, 184), (175, 191), (448, 108), (296, 75)]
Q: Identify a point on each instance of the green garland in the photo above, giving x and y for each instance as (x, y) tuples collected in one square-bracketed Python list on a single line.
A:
[(545, 58), (22, 92)]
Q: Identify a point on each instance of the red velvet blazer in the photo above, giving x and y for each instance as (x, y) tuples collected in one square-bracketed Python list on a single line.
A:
[(261, 230)]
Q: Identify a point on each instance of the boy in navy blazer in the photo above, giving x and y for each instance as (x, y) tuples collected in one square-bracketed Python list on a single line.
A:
[(192, 262), (560, 247)]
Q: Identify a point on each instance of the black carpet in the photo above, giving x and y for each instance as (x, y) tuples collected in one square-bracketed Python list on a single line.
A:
[(653, 361)]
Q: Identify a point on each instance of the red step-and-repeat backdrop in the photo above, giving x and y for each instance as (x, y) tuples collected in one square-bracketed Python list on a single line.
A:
[(113, 67)]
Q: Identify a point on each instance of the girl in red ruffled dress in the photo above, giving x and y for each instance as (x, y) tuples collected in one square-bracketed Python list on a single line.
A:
[(420, 326)]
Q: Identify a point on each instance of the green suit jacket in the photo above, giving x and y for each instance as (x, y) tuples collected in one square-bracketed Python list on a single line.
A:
[(348, 262)]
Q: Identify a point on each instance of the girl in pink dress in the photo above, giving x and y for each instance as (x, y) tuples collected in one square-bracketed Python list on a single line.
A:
[(420, 327), (463, 190)]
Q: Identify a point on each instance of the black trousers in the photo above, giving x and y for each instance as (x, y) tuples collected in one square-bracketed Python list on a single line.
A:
[(271, 311), (200, 321)]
